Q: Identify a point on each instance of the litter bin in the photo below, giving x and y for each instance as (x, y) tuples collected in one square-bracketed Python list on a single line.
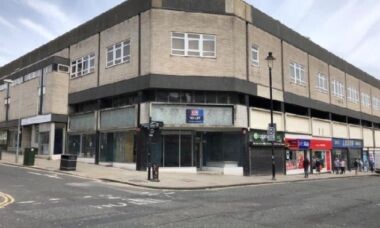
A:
[(29, 156), (68, 162)]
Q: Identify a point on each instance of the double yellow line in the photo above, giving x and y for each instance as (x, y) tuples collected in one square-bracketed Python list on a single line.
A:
[(5, 200)]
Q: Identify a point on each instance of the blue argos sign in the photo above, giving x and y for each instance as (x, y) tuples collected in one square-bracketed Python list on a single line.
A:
[(194, 115), (303, 143)]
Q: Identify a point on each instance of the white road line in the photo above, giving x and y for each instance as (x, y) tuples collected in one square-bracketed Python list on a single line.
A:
[(38, 174), (26, 202), (54, 199), (87, 197)]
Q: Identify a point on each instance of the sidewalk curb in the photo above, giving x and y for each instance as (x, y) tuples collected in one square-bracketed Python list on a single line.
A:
[(226, 186), (186, 188)]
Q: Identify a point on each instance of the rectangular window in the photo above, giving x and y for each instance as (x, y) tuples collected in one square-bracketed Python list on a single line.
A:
[(119, 53), (82, 66), (376, 103), (352, 95), (297, 73), (337, 89), (366, 100), (191, 44), (322, 82), (255, 55)]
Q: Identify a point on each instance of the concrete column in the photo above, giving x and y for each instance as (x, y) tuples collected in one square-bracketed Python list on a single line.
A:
[(51, 139), (64, 137)]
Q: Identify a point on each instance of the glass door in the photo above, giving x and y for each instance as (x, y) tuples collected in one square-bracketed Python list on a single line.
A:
[(177, 149)]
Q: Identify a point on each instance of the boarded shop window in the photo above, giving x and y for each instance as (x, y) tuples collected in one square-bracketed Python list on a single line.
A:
[(191, 44)]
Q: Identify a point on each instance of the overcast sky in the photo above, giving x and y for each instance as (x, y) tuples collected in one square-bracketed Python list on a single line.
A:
[(348, 28)]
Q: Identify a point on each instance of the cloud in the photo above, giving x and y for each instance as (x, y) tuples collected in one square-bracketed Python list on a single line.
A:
[(6, 23), (37, 28), (51, 11)]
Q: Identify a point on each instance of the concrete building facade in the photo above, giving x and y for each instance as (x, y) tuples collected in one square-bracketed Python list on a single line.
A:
[(199, 67)]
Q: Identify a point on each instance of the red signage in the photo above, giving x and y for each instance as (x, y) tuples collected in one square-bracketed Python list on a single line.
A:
[(317, 144)]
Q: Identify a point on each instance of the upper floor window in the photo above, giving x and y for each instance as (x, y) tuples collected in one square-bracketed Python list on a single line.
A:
[(366, 99), (191, 44), (337, 89), (297, 73), (352, 95), (322, 82), (255, 55), (376, 103), (119, 53), (32, 75), (82, 66)]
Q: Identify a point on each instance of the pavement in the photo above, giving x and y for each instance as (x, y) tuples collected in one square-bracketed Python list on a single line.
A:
[(173, 181)]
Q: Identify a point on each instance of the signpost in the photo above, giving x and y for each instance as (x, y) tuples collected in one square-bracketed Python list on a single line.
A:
[(152, 127), (271, 133)]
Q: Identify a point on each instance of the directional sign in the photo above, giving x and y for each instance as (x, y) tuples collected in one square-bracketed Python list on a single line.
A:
[(271, 133)]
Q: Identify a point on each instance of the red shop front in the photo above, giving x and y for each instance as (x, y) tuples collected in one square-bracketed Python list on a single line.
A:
[(298, 149), (321, 150)]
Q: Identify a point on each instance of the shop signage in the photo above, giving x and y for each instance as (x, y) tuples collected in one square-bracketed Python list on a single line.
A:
[(303, 143), (320, 144), (194, 116), (36, 120), (260, 137), (347, 143)]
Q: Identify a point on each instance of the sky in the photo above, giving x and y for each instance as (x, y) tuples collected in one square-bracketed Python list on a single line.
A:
[(348, 28)]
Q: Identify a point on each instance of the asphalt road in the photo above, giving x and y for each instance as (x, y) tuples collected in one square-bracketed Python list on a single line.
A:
[(45, 199)]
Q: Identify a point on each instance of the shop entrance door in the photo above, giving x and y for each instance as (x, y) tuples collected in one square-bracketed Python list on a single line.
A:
[(177, 149)]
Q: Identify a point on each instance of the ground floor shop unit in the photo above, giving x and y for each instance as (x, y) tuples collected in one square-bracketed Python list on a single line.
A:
[(314, 149), (348, 150), (46, 133)]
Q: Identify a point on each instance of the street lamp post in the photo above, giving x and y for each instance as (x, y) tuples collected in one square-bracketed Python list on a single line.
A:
[(270, 59)]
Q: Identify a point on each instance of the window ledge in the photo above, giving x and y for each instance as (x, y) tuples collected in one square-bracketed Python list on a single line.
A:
[(190, 56), (107, 67), (82, 75)]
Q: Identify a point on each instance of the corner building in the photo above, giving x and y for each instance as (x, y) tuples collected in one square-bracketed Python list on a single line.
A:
[(198, 66)]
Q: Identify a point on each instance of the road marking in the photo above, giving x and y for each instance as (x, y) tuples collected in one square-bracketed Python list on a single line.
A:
[(54, 176), (87, 197), (26, 202), (109, 205), (7, 200), (54, 199)]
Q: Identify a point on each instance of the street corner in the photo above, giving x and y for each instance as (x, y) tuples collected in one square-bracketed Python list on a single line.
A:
[(5, 200)]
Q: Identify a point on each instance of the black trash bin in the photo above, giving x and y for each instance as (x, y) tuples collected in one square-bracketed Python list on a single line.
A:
[(29, 156), (68, 162)]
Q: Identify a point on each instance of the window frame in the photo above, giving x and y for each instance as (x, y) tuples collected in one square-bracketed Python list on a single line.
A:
[(186, 39), (80, 63), (255, 49), (352, 95), (325, 87), (366, 100), (337, 89), (300, 78), (113, 49)]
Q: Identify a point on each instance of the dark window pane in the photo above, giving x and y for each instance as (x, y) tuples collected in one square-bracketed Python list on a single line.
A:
[(211, 97), (162, 96), (171, 153), (186, 150), (186, 97), (199, 97), (222, 98), (174, 97)]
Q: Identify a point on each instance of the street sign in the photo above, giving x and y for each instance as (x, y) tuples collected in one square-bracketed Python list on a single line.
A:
[(271, 133)]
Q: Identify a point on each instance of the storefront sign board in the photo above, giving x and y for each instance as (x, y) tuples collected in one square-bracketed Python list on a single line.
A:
[(194, 116), (347, 143)]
